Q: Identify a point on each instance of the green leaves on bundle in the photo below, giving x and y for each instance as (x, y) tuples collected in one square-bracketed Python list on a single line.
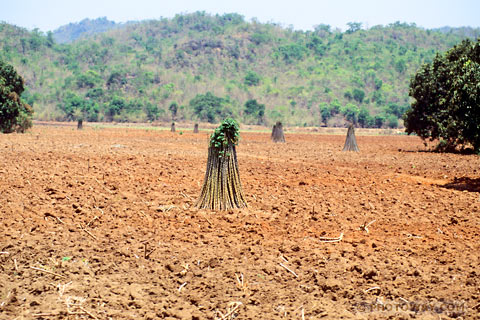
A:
[(228, 133)]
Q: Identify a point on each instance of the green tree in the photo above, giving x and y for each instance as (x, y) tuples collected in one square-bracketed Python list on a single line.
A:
[(95, 93), (75, 107), (354, 27), (379, 121), (50, 41), (446, 97), (335, 106), (392, 121), (259, 38), (173, 109), (71, 103), (152, 111), (88, 79), (291, 52), (378, 97), (116, 80), (207, 106), (350, 111), (358, 95), (15, 114), (252, 79), (400, 65), (370, 121), (316, 44), (115, 106), (255, 109), (325, 112), (363, 117), (378, 84)]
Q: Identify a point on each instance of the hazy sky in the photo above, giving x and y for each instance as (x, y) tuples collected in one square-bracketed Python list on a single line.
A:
[(301, 14)]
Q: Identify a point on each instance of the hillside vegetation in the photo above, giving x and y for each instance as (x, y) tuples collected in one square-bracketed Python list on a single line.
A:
[(83, 29), (212, 66)]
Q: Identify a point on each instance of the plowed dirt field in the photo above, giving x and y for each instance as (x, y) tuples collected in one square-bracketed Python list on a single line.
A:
[(101, 224)]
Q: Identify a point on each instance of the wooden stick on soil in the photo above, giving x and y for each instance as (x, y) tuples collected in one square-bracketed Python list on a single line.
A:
[(326, 239), (88, 232), (404, 300), (181, 286), (364, 226), (46, 314), (231, 311), (209, 222), (186, 195), (48, 214), (240, 282), (91, 221), (288, 269), (148, 253), (372, 288), (75, 312), (49, 272), (88, 312), (144, 214)]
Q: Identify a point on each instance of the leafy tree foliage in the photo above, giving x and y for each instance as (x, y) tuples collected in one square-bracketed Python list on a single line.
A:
[(252, 79), (363, 117), (15, 114), (396, 110), (358, 95), (392, 121), (354, 27), (88, 79), (95, 93), (325, 112), (75, 107), (335, 106), (173, 109), (260, 38), (447, 98), (207, 106), (255, 109), (350, 111), (115, 107), (379, 120), (292, 52), (152, 111), (316, 44)]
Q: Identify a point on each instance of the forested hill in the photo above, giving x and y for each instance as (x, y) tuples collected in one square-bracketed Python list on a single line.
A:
[(84, 28), (205, 67)]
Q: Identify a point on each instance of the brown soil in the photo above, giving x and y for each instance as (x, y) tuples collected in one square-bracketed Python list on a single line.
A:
[(100, 224)]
